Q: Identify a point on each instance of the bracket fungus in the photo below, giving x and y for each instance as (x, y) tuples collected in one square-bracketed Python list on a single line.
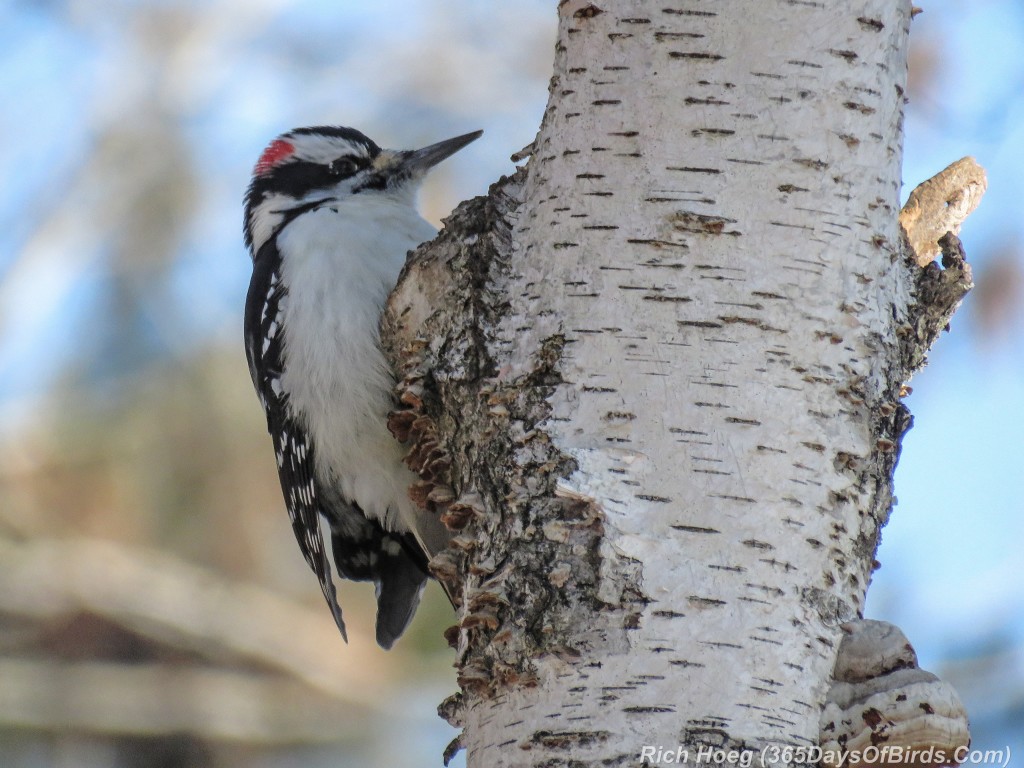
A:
[(882, 709)]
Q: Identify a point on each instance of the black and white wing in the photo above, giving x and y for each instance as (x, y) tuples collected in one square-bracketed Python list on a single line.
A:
[(363, 550), (264, 339)]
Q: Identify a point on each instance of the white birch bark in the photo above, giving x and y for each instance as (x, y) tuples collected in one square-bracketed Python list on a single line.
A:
[(659, 372)]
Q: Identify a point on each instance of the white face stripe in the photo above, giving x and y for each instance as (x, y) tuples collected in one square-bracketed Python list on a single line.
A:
[(318, 148), (265, 217), (267, 212)]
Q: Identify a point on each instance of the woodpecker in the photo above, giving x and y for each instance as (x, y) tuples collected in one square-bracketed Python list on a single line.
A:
[(329, 219)]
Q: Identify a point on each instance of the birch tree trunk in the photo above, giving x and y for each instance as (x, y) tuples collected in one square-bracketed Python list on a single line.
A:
[(654, 381)]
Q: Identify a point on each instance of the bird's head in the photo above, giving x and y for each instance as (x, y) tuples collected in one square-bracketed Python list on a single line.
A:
[(306, 167)]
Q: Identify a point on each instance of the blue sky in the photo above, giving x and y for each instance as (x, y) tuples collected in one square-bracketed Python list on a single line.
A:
[(951, 574), (950, 547)]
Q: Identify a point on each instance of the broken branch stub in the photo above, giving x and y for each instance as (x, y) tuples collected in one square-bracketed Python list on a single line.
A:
[(940, 205)]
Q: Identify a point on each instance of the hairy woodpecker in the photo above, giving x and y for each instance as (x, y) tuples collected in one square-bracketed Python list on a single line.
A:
[(329, 219)]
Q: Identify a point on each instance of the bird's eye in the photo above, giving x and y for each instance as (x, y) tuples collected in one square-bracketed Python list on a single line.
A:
[(342, 167)]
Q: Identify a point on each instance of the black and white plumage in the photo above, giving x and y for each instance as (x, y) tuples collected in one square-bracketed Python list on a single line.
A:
[(329, 219)]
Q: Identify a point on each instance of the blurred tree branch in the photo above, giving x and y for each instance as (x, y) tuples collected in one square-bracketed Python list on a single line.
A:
[(183, 607), (168, 698)]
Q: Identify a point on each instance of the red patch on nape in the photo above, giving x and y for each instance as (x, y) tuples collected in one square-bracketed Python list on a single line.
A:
[(278, 150)]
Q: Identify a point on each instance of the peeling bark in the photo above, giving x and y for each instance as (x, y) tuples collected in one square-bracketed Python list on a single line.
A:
[(653, 381)]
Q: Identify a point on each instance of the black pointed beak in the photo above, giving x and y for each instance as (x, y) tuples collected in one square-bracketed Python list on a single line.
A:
[(419, 161)]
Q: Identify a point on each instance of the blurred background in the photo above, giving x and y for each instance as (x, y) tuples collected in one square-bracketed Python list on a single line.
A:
[(154, 610)]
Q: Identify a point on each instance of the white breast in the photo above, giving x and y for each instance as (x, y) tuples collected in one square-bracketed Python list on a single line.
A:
[(339, 264)]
